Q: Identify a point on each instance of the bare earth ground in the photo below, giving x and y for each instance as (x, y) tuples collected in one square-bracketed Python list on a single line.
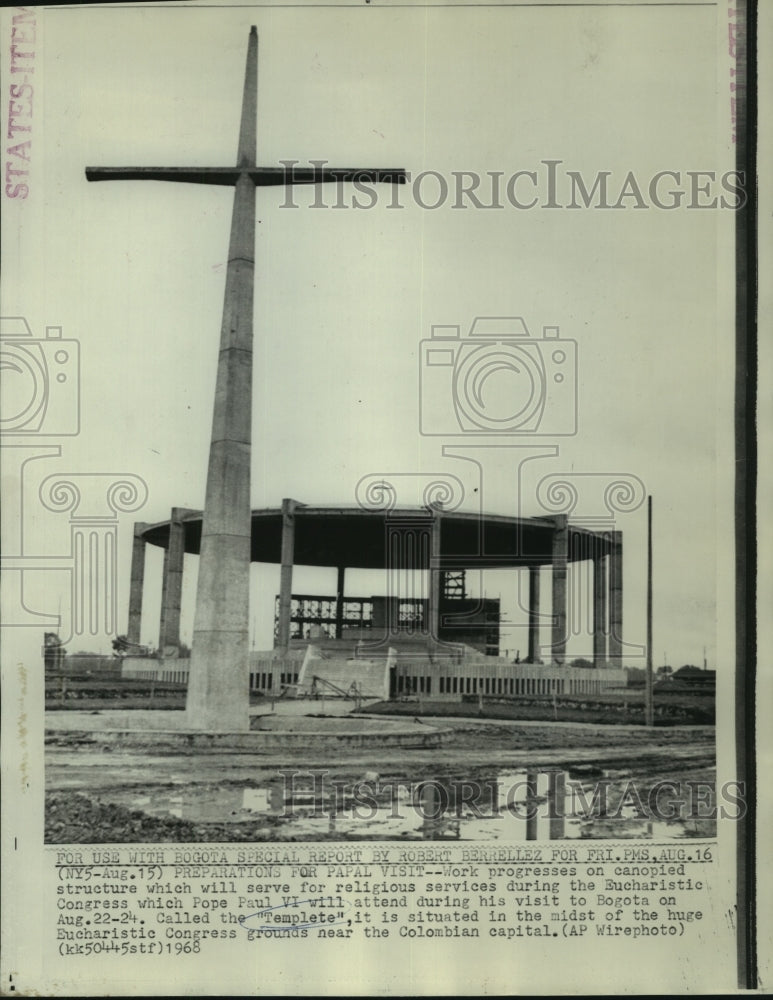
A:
[(117, 795)]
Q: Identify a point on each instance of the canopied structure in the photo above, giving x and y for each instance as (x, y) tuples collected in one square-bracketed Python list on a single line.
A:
[(403, 542)]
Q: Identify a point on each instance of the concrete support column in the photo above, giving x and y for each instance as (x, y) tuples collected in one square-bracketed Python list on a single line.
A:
[(435, 575), (340, 601), (286, 578), (532, 810), (534, 582), (556, 805), (559, 567), (599, 608), (616, 600), (136, 584), (172, 588)]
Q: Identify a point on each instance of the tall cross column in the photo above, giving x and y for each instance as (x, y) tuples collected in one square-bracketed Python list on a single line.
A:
[(218, 688), (218, 684)]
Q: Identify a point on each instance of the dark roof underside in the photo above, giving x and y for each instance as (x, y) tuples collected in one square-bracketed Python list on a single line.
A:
[(357, 538)]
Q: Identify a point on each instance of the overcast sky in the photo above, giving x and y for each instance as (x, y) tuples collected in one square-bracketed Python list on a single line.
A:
[(135, 271)]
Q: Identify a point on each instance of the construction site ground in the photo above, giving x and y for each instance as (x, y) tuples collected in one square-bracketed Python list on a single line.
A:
[(112, 794)]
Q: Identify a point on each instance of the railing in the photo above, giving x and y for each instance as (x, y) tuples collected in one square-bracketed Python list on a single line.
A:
[(447, 679), (452, 680)]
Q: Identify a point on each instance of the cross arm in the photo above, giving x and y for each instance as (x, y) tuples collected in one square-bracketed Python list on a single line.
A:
[(185, 175), (276, 176), (260, 176)]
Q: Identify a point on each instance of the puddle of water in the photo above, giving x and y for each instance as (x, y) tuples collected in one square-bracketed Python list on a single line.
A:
[(510, 806)]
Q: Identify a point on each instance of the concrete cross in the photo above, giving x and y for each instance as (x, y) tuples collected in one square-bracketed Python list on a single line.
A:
[(246, 157), (218, 692)]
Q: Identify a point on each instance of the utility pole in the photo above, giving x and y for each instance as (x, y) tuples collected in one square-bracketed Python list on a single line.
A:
[(649, 715)]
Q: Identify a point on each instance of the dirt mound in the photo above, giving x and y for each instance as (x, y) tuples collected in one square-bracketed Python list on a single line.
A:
[(71, 818), (76, 819)]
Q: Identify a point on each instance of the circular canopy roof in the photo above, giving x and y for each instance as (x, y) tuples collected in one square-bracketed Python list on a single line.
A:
[(357, 538)]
